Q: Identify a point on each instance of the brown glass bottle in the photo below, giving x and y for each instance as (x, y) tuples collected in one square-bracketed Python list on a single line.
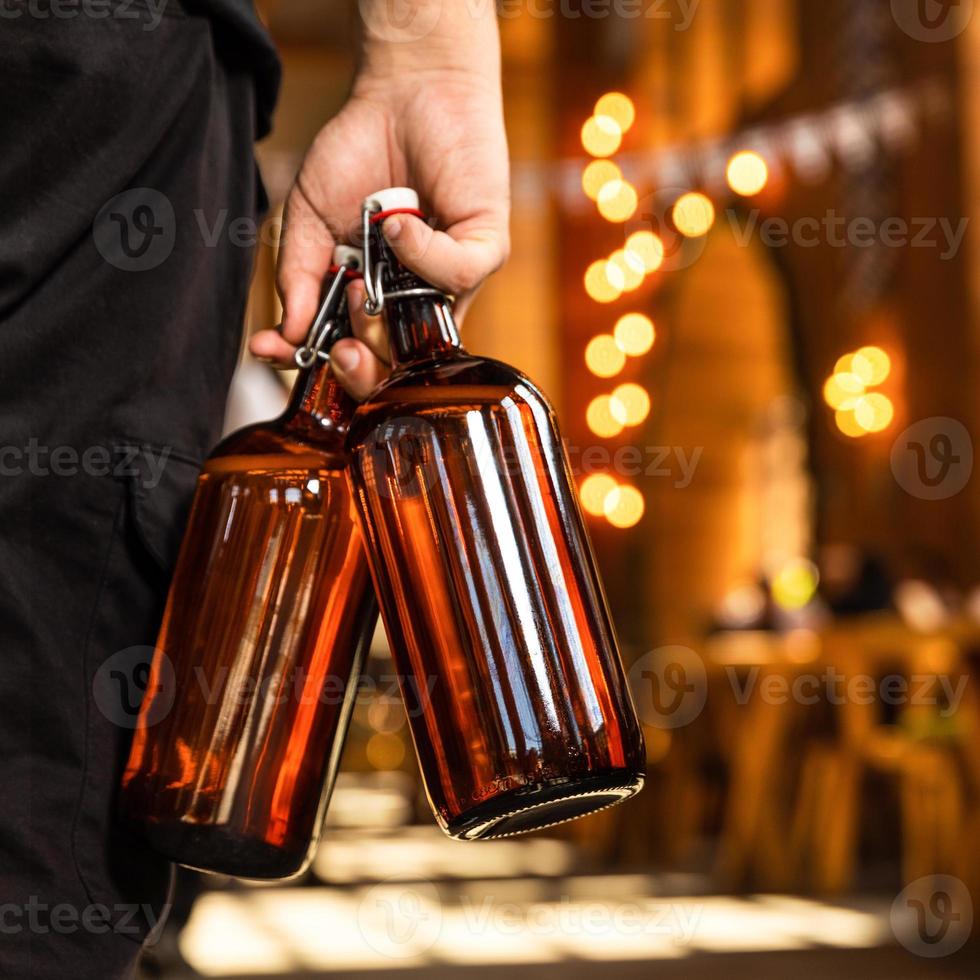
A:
[(269, 613), (488, 586)]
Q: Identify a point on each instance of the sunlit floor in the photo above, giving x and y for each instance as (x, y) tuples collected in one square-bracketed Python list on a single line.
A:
[(409, 902)]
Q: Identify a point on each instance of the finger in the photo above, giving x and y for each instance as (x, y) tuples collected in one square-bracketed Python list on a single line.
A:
[(356, 367), (304, 258), (369, 329), (269, 345), (457, 260)]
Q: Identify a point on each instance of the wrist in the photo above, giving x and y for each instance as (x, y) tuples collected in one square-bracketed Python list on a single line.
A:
[(430, 36)]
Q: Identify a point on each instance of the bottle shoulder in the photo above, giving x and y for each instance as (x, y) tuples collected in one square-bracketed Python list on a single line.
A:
[(463, 381), (277, 437)]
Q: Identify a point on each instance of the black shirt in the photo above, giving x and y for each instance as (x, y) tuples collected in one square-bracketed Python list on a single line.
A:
[(242, 41)]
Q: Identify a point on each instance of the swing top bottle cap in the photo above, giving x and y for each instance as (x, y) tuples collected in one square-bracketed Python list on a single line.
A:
[(348, 255), (394, 199)]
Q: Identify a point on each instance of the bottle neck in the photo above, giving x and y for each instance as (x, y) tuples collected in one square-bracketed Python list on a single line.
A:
[(419, 327), (318, 403)]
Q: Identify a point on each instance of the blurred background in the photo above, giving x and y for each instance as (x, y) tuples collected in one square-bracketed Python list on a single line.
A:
[(744, 268)]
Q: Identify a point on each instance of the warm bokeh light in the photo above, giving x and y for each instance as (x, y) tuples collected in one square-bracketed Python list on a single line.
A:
[(618, 107), (630, 404), (601, 136), (600, 418), (597, 174), (631, 266), (747, 173), (603, 356), (842, 390), (600, 283), (874, 412), (624, 507), (634, 334), (848, 424), (872, 365), (693, 214), (617, 200), (614, 275), (593, 493), (384, 751), (795, 584), (648, 247)]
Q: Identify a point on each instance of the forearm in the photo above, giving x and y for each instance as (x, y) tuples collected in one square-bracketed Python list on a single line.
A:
[(402, 36)]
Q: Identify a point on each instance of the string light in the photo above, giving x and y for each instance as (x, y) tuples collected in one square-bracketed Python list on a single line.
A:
[(872, 365), (634, 334), (747, 173), (596, 175), (598, 283), (648, 247), (600, 418), (630, 404), (848, 424), (593, 493), (624, 507), (857, 411), (693, 214), (632, 268), (601, 136), (842, 390), (604, 357), (618, 107), (617, 200), (874, 412)]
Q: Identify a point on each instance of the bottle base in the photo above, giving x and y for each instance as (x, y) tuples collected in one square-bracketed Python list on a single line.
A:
[(544, 805), (216, 850)]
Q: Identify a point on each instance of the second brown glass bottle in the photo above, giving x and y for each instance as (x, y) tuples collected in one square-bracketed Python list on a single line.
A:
[(270, 610)]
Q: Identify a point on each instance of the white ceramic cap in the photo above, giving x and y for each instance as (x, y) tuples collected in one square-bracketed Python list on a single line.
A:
[(348, 255), (394, 198)]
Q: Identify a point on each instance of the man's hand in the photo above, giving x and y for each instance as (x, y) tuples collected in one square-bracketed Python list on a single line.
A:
[(424, 113)]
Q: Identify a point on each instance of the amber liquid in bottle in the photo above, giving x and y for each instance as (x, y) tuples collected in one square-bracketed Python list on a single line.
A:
[(269, 614), (488, 586)]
